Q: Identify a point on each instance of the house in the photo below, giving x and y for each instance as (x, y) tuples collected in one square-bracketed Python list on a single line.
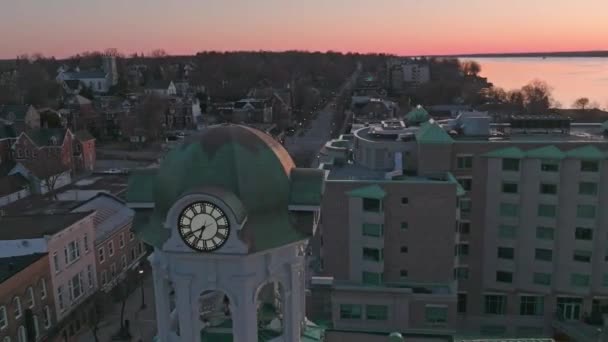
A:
[(13, 188), (23, 117), (7, 139), (47, 145), (375, 110), (161, 88), (67, 239), (99, 81), (281, 102), (84, 151), (117, 250), (252, 110), (179, 114), (25, 296), (43, 176)]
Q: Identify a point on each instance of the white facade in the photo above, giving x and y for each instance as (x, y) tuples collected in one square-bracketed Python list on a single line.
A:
[(15, 196), (416, 73)]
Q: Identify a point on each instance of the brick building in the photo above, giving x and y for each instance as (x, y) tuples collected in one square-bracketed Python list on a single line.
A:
[(84, 151), (25, 285)]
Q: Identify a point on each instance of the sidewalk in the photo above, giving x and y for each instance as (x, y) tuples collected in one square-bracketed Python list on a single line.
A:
[(142, 322)]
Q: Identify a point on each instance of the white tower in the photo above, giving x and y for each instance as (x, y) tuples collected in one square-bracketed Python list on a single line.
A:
[(229, 217)]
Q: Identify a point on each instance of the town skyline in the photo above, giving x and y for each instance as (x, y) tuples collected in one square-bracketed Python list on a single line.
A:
[(187, 27)]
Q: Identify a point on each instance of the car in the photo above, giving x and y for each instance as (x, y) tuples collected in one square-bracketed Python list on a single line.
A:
[(181, 134), (113, 171)]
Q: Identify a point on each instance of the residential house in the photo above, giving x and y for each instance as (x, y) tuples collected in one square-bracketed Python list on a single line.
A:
[(43, 176), (375, 110), (116, 247), (99, 81), (281, 101), (23, 117), (42, 145), (68, 241), (179, 114), (26, 298), (13, 188), (161, 88), (81, 113), (112, 111), (7, 138), (252, 110), (84, 151)]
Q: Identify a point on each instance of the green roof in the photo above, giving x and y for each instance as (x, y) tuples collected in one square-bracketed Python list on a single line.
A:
[(140, 188), (372, 191), (586, 152), (417, 115), (44, 136), (306, 186), (509, 152), (546, 152), (432, 133), (19, 111), (459, 189), (7, 132)]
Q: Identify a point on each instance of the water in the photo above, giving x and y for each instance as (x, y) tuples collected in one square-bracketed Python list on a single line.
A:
[(570, 78)]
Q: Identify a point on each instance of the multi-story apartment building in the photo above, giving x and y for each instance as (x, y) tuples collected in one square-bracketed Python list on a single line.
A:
[(25, 285), (68, 241), (526, 247), (117, 249)]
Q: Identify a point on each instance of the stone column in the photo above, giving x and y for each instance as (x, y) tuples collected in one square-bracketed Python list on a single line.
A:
[(293, 304), (244, 315), (184, 305), (161, 294)]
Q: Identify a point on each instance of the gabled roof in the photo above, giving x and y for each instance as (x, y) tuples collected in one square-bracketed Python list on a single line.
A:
[(509, 152), (45, 136), (111, 215), (372, 191), (586, 152), (546, 152), (417, 115), (432, 133), (19, 111), (306, 186)]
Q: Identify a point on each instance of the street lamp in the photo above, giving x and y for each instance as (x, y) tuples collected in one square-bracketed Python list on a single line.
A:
[(141, 276)]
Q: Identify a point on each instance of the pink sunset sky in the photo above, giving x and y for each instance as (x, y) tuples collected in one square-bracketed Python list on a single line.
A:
[(407, 27)]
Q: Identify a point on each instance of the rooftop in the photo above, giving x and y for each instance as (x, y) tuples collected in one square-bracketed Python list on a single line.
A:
[(10, 266), (111, 214), (28, 226)]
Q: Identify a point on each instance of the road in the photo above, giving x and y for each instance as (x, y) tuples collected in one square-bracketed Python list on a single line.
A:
[(305, 147)]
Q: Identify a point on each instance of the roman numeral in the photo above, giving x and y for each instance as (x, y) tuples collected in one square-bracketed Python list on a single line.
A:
[(188, 234)]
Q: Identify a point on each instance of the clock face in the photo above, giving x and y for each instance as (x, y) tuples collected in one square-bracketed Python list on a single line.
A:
[(203, 226)]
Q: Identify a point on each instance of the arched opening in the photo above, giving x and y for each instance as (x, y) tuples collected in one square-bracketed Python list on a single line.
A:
[(269, 301), (215, 316)]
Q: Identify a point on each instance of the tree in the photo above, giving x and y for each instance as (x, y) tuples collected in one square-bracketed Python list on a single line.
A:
[(537, 97), (581, 103), (157, 53), (471, 68), (121, 292), (515, 98), (96, 314), (150, 116)]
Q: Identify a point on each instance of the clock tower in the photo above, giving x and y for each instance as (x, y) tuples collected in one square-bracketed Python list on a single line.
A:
[(229, 217)]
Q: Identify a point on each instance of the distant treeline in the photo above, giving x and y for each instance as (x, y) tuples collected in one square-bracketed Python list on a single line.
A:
[(540, 54)]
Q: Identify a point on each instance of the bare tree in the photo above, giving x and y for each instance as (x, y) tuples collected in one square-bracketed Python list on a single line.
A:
[(581, 103), (158, 53), (471, 68), (49, 171), (113, 52), (150, 116), (537, 97), (96, 314), (594, 105)]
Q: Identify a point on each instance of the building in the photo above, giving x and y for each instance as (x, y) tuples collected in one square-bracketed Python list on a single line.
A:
[(25, 285), (505, 216), (252, 110), (84, 151), (374, 110), (99, 81), (42, 177), (68, 241), (161, 88), (117, 250), (179, 114), (23, 117), (244, 280), (416, 73), (8, 135)]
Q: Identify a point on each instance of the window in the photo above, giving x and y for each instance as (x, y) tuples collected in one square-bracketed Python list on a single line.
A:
[(507, 232), (589, 166), (372, 254), (19, 153), (403, 249), (462, 303), (583, 233), (504, 277), (531, 306), (541, 278), (3, 318), (582, 256), (510, 164), (42, 288), (142, 248), (403, 273), (464, 227), (101, 254), (461, 273), (543, 254), (545, 233), (579, 280), (465, 205), (90, 278), (546, 210), (436, 314), (133, 254), (111, 248), (112, 271), (31, 300), (404, 225), (85, 242), (371, 204), (21, 336), (506, 253), (131, 236), (27, 153), (370, 229), (461, 249), (376, 312), (56, 261), (75, 285), (495, 304), (350, 311), (586, 211), (36, 327), (509, 210), (46, 315), (466, 183), (549, 166), (587, 188), (404, 200), (509, 188), (60, 297), (123, 262), (104, 277), (121, 240), (73, 252), (371, 278), (548, 189), (464, 162), (17, 307)]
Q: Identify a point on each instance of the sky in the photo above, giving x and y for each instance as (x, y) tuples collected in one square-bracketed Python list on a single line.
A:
[(406, 27)]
